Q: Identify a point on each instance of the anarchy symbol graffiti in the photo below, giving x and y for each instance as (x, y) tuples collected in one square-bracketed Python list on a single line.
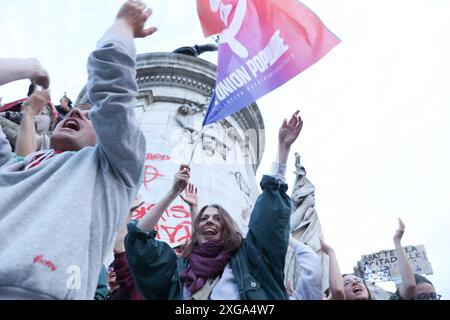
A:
[(150, 174)]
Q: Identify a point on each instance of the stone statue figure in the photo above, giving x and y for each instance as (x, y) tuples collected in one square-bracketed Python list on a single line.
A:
[(305, 225)]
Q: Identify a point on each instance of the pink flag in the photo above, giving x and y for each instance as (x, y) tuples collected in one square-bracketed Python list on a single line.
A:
[(263, 44)]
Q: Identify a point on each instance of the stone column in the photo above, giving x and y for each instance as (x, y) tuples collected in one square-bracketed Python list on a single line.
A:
[(174, 91)]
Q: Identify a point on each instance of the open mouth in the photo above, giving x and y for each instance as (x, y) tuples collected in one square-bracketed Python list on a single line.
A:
[(71, 124), (357, 290), (210, 231)]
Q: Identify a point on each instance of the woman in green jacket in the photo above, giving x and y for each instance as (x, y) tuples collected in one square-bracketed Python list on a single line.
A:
[(218, 263)]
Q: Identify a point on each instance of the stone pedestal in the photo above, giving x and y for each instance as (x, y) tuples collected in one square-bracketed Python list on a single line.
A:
[(174, 91)]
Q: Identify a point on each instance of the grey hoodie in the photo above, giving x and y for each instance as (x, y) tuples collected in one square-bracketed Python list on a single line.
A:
[(58, 219)]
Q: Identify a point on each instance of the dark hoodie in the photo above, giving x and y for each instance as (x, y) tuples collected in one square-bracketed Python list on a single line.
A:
[(127, 290)]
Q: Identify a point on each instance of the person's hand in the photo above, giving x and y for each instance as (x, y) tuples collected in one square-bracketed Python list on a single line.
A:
[(289, 131), (181, 179), (400, 231), (134, 13), (137, 203), (190, 195), (39, 75), (36, 102), (289, 289), (325, 248)]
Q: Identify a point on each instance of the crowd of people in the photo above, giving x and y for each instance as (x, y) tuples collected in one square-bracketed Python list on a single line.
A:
[(96, 158)]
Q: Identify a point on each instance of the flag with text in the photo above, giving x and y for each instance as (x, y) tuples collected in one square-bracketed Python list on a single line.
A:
[(263, 44)]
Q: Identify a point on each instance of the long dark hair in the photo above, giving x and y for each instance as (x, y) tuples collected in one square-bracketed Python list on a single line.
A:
[(231, 234)]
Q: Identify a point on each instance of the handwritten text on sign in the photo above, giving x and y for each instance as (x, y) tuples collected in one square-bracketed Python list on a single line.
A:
[(383, 265)]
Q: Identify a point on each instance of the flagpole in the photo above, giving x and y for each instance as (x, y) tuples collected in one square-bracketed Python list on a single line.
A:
[(195, 146)]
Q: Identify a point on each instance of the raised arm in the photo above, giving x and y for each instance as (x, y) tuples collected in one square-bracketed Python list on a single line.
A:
[(26, 138), (149, 221), (310, 283), (12, 69), (287, 135), (126, 290), (335, 276), (191, 199), (407, 288), (269, 225), (119, 245), (151, 261), (112, 89)]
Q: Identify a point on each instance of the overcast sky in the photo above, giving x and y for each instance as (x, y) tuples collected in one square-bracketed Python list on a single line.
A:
[(375, 109)]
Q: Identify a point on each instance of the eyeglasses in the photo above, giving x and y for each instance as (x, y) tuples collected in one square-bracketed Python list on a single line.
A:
[(427, 296)]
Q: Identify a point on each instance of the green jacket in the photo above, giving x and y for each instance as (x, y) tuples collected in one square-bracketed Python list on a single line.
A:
[(102, 286), (258, 264)]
